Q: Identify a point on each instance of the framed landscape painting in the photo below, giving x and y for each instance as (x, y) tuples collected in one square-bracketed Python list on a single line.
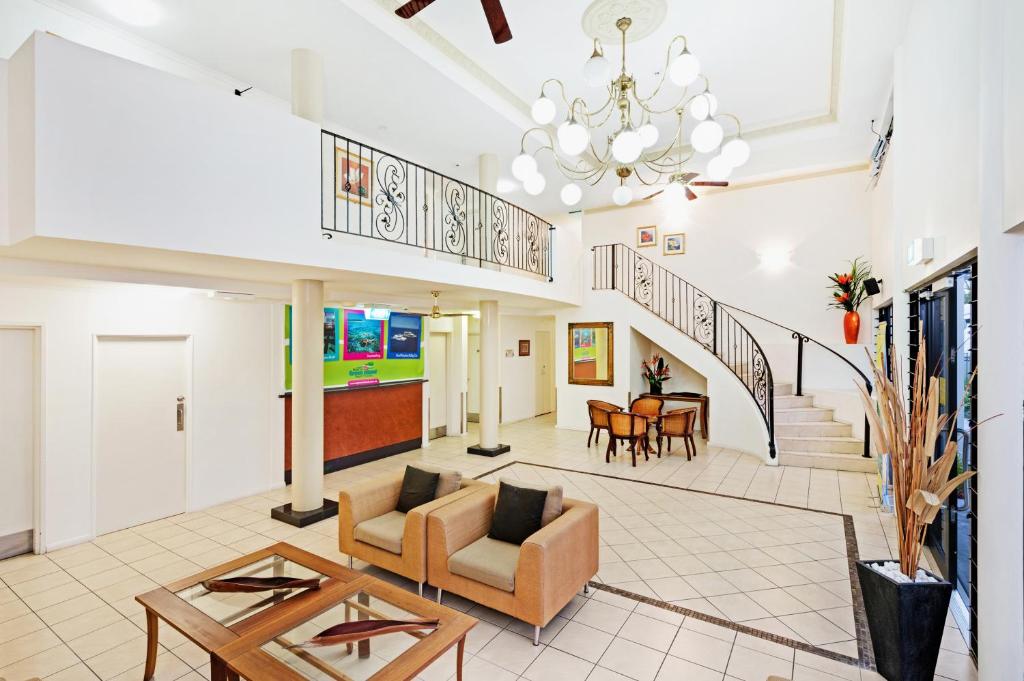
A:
[(674, 244), (646, 236)]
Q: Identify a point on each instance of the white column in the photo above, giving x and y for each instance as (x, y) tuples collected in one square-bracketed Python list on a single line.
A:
[(308, 85), (490, 366), (488, 169), (307, 395)]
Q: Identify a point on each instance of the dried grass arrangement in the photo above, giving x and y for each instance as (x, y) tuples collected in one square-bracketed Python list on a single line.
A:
[(920, 485)]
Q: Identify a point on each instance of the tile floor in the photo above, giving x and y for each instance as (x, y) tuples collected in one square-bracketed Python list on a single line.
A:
[(70, 614)]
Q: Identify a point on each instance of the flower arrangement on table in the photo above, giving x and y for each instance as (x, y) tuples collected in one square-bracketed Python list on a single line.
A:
[(847, 294), (655, 372)]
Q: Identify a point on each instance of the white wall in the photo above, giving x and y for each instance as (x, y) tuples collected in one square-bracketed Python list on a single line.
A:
[(237, 418), (4, 156), (684, 377), (519, 374)]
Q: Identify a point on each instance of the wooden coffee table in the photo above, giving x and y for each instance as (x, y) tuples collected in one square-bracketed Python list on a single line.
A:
[(232, 624)]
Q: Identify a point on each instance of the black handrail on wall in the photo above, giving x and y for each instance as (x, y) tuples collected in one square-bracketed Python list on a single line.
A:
[(374, 194), (802, 338), (694, 313)]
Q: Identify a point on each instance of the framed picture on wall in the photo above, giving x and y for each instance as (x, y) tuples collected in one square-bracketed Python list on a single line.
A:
[(404, 334), (646, 236), (674, 244), (330, 334), (363, 337), (592, 353), (354, 176), (524, 348)]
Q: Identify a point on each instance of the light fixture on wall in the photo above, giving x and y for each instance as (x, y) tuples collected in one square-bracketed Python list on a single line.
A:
[(774, 259), (435, 311), (630, 124)]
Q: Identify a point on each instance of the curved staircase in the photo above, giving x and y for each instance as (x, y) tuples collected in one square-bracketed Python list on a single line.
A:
[(800, 432)]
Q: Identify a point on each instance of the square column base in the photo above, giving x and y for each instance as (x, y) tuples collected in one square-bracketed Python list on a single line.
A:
[(488, 451), (302, 518)]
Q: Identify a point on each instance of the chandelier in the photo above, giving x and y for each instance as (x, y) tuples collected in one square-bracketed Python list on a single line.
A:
[(630, 149)]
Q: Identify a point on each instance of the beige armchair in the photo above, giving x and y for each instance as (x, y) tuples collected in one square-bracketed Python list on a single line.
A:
[(532, 582), (370, 529)]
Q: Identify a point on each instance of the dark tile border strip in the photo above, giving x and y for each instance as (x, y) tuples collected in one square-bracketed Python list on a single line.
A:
[(865, 656)]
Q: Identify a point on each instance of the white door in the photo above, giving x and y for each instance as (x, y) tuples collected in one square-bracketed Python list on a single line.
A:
[(17, 439), (473, 377), (543, 370), (139, 437), (437, 355)]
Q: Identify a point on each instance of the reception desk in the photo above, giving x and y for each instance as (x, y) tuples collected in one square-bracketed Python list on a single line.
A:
[(364, 423)]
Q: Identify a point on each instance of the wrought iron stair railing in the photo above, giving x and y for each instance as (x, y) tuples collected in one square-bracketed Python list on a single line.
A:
[(374, 194), (694, 313)]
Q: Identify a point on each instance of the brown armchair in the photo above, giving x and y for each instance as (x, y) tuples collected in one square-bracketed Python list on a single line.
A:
[(646, 406), (599, 411), (531, 582), (629, 427), (678, 423)]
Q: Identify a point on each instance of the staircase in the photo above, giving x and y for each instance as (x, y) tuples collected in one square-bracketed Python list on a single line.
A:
[(809, 436), (800, 433)]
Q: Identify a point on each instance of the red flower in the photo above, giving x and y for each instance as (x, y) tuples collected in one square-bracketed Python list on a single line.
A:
[(842, 279)]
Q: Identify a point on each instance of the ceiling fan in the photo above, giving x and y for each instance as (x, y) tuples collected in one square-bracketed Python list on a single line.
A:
[(492, 8), (684, 181)]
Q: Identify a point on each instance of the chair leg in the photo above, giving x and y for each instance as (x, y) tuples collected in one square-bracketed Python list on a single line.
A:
[(646, 445), (659, 446), (690, 447), (670, 446), (420, 586), (439, 592), (597, 436), (350, 562), (586, 588), (536, 635), (693, 445), (632, 451), (608, 451), (590, 435)]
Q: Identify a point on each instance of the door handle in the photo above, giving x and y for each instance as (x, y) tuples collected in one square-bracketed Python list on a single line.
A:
[(180, 413)]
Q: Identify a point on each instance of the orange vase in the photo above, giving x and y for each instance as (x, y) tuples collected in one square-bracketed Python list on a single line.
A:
[(851, 327)]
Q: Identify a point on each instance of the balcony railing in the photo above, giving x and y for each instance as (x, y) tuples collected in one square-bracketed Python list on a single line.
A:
[(373, 194)]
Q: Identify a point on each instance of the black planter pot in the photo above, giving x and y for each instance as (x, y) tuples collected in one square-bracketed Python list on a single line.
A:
[(906, 622), (655, 388)]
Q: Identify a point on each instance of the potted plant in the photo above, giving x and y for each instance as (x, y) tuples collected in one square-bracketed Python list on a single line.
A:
[(655, 372), (847, 294), (906, 605)]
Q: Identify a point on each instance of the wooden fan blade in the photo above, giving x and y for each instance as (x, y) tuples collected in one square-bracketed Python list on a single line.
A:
[(708, 183), (496, 20), (411, 8), (689, 193), (654, 194), (689, 176)]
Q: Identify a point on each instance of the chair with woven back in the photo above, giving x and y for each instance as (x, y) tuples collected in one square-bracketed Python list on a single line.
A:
[(630, 427), (599, 411), (678, 423), (649, 408)]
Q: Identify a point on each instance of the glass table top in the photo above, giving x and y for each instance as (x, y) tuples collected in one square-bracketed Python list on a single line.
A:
[(355, 660), (230, 608)]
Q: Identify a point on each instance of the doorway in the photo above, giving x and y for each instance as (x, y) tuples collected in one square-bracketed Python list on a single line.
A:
[(473, 378), (19, 413), (141, 388), (544, 375), (437, 358)]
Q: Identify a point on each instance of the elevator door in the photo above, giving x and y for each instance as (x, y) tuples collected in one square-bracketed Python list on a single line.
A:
[(437, 356)]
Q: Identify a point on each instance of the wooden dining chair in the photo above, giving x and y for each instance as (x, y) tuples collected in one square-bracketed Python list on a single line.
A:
[(678, 423), (646, 406), (598, 412), (629, 427)]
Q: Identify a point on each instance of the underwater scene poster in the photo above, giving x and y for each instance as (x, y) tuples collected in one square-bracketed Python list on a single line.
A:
[(364, 338)]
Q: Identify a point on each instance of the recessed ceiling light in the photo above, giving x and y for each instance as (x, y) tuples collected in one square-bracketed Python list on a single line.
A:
[(134, 12)]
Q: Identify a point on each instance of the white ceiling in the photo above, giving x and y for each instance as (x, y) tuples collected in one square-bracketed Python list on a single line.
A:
[(438, 91)]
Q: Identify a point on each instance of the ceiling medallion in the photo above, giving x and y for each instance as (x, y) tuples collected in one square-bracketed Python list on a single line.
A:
[(627, 122), (600, 17)]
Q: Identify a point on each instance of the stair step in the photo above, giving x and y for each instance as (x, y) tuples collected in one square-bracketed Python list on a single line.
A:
[(814, 429), (837, 445), (793, 401), (803, 415), (854, 463), (783, 389)]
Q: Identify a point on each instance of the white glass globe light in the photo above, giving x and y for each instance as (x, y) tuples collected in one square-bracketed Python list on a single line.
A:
[(571, 194), (627, 146), (719, 168), (622, 195), (706, 136), (573, 138), (684, 69), (523, 166), (596, 71), (674, 192), (736, 151), (703, 105), (648, 135), (543, 111), (534, 184)]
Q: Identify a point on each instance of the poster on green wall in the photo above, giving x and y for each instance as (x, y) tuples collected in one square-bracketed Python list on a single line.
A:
[(382, 366)]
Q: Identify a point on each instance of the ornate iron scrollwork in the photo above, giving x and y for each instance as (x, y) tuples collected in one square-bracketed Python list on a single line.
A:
[(704, 319), (454, 236), (500, 236), (643, 281), (390, 221), (532, 245)]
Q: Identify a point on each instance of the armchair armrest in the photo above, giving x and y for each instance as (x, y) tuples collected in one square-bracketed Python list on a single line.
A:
[(558, 559), (367, 499), (460, 523)]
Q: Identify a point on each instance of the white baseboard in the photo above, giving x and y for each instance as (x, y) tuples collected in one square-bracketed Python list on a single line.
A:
[(63, 544)]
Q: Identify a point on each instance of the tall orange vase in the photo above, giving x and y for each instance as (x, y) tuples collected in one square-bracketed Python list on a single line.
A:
[(851, 327)]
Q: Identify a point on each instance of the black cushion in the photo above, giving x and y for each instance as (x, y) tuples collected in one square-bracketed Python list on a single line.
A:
[(418, 487), (517, 514)]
